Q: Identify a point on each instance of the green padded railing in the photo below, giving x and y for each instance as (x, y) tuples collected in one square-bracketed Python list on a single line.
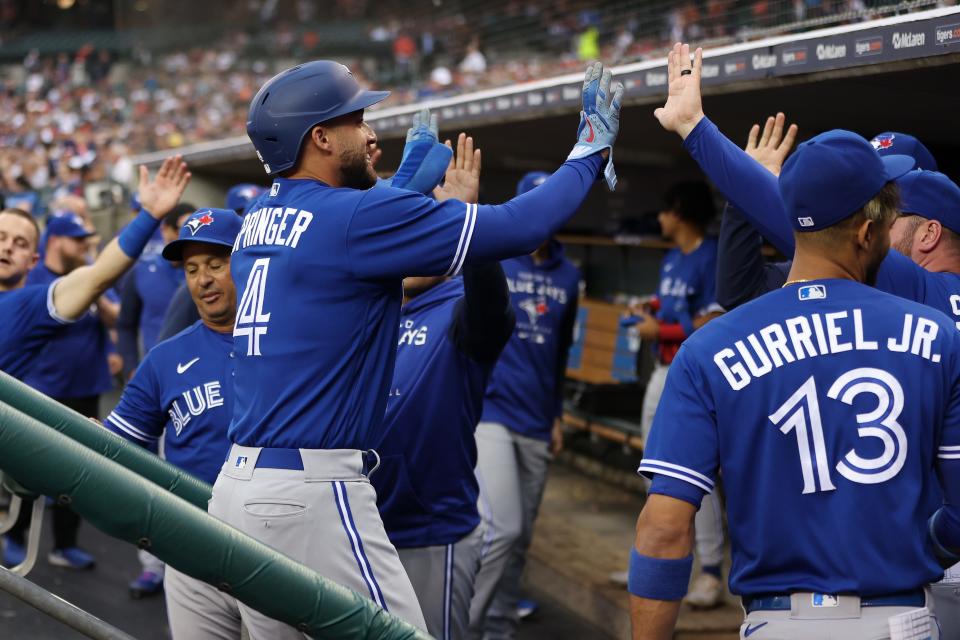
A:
[(79, 428), (122, 504)]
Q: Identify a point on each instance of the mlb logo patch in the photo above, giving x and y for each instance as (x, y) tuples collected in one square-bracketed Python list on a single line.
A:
[(805, 222), (274, 189), (812, 292), (824, 600), (241, 462)]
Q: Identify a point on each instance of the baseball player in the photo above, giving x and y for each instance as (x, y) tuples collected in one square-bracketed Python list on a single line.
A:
[(146, 294), (38, 312), (318, 267), (926, 232), (451, 333), (183, 392), (520, 427)]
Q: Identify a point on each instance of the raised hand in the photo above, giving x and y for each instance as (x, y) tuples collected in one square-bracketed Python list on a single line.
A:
[(462, 180), (599, 118), (684, 107), (424, 126), (161, 194), (771, 148)]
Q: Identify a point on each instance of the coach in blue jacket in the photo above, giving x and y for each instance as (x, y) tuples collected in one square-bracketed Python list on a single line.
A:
[(451, 332), (520, 426)]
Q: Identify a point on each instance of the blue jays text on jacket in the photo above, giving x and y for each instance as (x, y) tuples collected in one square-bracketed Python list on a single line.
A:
[(526, 388)]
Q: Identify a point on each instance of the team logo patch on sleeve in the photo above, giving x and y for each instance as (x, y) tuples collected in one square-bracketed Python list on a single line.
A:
[(199, 220), (812, 292)]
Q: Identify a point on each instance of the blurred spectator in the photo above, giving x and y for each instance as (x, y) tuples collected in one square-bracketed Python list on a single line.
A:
[(474, 62)]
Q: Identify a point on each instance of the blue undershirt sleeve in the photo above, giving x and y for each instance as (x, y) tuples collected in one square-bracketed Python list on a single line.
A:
[(743, 181)]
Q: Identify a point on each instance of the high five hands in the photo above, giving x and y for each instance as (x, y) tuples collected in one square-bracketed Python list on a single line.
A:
[(684, 107)]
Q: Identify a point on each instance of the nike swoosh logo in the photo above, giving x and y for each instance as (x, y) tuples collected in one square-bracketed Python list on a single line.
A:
[(590, 137), (183, 367), (749, 631)]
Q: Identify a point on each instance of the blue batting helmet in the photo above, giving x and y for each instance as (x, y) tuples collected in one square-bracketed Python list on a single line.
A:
[(294, 101), (531, 180)]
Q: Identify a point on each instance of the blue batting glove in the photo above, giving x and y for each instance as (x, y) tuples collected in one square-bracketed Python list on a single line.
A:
[(425, 160), (599, 119)]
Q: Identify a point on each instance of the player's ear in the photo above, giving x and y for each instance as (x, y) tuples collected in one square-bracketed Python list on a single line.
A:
[(867, 234), (320, 137), (931, 235)]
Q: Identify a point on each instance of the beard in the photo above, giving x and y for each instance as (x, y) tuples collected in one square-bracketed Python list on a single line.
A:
[(355, 171), (873, 267)]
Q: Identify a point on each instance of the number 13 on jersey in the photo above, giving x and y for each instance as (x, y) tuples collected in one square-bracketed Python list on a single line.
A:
[(252, 322), (801, 414)]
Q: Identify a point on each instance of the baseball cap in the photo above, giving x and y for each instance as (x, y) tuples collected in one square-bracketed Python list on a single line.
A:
[(210, 226), (832, 175), (932, 195), (240, 195), (531, 180), (893, 142), (67, 223)]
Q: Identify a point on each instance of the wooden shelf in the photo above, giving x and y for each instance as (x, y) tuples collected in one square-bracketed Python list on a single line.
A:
[(635, 242)]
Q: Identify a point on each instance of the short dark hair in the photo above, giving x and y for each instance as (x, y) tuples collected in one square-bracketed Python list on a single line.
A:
[(171, 219), (692, 201), (20, 213)]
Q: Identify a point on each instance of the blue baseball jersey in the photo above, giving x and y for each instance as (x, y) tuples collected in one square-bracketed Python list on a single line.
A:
[(688, 284), (824, 406), (426, 487), (73, 362), (526, 388), (182, 391), (318, 272), (31, 320)]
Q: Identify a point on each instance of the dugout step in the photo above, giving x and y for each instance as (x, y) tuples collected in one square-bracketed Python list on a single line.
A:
[(583, 533)]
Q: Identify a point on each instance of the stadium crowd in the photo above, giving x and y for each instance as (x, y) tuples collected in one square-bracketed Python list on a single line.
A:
[(71, 118)]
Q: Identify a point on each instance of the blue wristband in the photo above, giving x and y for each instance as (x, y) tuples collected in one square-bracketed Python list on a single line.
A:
[(137, 234), (658, 578)]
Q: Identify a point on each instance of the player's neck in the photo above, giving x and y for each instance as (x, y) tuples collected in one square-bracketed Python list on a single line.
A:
[(225, 326), (688, 238), (55, 264), (939, 261), (816, 266)]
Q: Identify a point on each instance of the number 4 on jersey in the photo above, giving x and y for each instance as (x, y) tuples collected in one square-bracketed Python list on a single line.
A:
[(251, 320)]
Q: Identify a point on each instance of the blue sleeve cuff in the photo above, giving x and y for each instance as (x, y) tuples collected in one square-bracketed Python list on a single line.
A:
[(679, 489), (137, 234)]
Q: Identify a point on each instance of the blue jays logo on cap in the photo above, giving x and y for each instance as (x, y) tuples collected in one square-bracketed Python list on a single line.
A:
[(883, 141), (812, 292), (198, 220)]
